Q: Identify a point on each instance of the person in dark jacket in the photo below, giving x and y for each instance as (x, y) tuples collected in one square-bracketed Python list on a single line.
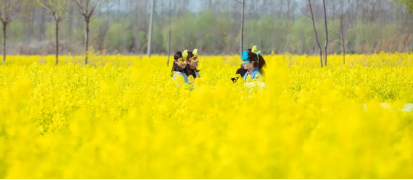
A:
[(191, 68), (242, 71), (180, 63)]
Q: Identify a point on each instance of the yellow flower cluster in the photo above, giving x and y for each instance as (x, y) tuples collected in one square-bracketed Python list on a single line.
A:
[(124, 117)]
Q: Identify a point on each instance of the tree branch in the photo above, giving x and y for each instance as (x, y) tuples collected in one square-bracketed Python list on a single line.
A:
[(302, 10), (335, 34), (43, 5), (63, 10), (332, 42), (239, 1), (80, 7), (93, 9)]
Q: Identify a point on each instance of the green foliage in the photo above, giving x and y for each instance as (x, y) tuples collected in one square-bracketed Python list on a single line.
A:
[(408, 4), (114, 36), (215, 33), (15, 30)]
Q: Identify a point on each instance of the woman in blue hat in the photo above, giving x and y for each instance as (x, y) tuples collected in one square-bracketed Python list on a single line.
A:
[(242, 71), (254, 64)]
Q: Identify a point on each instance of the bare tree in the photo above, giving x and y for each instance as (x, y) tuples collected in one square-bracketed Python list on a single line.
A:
[(315, 32), (241, 44), (8, 10), (150, 28), (169, 32), (326, 31), (343, 43), (87, 9), (314, 27), (57, 8)]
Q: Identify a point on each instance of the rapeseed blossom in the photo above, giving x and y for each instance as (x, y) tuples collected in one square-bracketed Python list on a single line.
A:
[(124, 117)]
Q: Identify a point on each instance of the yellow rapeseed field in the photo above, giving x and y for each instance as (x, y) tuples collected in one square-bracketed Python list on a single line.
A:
[(124, 117)]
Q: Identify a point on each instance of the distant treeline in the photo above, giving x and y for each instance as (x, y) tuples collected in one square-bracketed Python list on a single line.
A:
[(280, 26)]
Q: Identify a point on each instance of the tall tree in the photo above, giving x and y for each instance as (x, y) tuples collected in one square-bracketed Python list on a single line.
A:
[(326, 31), (150, 28), (169, 31), (241, 44), (315, 32), (343, 42), (8, 10), (87, 9), (57, 8), (310, 6)]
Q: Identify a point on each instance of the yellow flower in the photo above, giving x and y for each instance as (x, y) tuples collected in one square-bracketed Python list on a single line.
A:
[(125, 117)]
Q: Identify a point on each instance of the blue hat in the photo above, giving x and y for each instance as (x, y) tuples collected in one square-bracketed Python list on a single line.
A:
[(245, 55)]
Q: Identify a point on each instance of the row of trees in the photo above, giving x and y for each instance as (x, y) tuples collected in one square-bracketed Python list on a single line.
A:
[(213, 26), (56, 8)]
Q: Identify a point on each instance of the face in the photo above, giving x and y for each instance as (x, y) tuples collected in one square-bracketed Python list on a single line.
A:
[(249, 66), (193, 64), (180, 64)]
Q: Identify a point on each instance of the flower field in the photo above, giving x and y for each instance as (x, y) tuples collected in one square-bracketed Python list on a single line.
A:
[(124, 117)]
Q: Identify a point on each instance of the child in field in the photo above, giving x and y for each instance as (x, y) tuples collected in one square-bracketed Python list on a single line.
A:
[(254, 64), (191, 69), (179, 65)]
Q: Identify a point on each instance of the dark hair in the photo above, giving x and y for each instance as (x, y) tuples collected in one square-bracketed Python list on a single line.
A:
[(259, 61), (188, 70), (178, 55), (175, 67)]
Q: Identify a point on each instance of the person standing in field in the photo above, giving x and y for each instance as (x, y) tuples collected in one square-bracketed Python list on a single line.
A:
[(254, 64), (191, 68), (179, 65)]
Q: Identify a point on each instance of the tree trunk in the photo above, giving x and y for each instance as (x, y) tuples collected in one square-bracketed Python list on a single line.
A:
[(342, 40), (321, 57), (169, 32), (57, 42), (242, 28), (87, 40), (4, 42), (315, 32), (150, 29), (326, 29), (169, 44)]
